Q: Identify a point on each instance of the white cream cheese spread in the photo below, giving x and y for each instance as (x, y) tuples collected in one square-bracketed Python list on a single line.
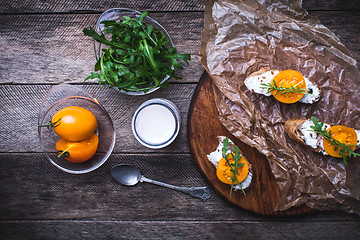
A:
[(254, 84)]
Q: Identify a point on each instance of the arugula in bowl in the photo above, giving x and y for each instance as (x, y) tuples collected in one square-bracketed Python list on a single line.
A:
[(138, 58)]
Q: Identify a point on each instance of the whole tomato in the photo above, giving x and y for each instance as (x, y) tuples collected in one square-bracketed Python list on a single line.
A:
[(80, 151), (73, 123)]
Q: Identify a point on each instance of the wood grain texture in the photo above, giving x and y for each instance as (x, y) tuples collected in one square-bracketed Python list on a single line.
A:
[(38, 6), (20, 104), (179, 230), (335, 5), (342, 23), (32, 189), (203, 129), (53, 48)]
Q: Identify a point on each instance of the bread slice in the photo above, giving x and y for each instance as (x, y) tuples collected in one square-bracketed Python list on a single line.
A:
[(261, 71), (292, 128)]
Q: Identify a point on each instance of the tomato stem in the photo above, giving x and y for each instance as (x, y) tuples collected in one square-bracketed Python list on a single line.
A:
[(65, 153), (51, 124)]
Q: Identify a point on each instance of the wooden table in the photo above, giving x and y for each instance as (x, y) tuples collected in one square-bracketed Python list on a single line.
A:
[(41, 45)]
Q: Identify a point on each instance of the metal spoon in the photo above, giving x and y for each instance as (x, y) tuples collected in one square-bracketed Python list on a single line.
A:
[(130, 175)]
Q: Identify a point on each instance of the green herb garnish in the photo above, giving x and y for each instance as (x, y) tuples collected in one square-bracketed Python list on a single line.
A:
[(283, 90), (138, 56), (234, 167), (343, 149)]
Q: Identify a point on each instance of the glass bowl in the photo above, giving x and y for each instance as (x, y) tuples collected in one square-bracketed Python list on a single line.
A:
[(117, 14), (65, 95)]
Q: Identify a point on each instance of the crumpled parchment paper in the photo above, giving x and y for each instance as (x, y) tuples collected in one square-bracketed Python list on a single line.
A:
[(239, 38)]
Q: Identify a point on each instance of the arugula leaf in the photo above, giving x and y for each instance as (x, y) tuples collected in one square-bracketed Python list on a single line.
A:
[(138, 56), (92, 33), (93, 75), (235, 166)]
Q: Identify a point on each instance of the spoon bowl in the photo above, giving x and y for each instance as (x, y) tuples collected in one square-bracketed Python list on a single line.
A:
[(126, 174)]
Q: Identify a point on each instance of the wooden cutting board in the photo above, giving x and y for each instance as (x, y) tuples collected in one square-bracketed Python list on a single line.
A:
[(203, 128)]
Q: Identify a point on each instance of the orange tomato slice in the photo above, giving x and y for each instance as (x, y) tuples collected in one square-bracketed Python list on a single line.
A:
[(77, 152), (342, 134), (288, 79), (224, 173)]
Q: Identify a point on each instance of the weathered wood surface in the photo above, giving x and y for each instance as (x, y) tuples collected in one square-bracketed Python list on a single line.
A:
[(38, 6), (48, 204), (180, 230), (52, 48), (44, 192), (20, 104), (42, 44)]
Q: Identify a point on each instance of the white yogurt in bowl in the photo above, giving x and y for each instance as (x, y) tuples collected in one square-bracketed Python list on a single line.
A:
[(156, 123)]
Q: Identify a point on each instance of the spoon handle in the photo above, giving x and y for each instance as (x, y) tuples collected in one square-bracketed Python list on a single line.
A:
[(199, 192)]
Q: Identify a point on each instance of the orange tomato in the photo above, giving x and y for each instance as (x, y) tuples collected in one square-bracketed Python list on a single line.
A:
[(342, 134), (74, 123), (224, 173), (78, 151), (288, 79)]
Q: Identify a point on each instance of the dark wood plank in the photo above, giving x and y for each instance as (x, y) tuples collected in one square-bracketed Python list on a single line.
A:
[(179, 230), (342, 23), (53, 49), (28, 48), (38, 6), (33, 189), (32, 56), (20, 104), (331, 5)]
